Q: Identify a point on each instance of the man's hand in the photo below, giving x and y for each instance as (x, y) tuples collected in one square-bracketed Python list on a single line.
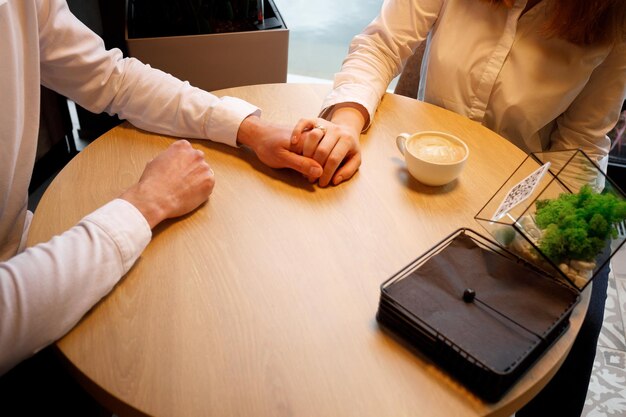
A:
[(174, 183), (272, 145)]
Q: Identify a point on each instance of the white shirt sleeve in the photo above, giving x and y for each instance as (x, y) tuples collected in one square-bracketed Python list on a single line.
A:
[(595, 110), (45, 290), (378, 54), (74, 62)]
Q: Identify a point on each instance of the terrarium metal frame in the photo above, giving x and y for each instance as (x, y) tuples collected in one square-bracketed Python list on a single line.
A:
[(555, 176)]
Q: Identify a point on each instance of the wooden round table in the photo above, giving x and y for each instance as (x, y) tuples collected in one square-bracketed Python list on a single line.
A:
[(263, 301)]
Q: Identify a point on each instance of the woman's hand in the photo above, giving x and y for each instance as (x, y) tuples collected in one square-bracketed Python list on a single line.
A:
[(335, 147)]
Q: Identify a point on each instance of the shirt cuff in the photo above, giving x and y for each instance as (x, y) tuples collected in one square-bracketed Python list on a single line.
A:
[(223, 123), (351, 93), (126, 226)]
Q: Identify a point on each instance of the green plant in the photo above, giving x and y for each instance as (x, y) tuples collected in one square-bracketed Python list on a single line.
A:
[(576, 226)]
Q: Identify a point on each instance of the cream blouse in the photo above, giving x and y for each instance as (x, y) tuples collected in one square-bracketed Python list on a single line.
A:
[(493, 65)]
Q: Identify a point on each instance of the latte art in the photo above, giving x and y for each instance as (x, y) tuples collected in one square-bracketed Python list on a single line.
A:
[(436, 149)]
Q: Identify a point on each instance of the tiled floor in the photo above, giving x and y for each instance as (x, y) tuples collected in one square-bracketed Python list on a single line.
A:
[(607, 388)]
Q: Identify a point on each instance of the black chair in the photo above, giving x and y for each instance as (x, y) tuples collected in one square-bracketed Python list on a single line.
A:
[(409, 80), (56, 146)]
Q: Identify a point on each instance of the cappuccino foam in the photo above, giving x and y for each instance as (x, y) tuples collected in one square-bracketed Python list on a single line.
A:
[(436, 149)]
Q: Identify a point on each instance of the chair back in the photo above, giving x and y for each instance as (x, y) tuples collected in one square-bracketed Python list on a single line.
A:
[(409, 80)]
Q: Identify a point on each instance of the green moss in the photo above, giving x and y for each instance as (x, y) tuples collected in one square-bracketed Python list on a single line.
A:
[(576, 226)]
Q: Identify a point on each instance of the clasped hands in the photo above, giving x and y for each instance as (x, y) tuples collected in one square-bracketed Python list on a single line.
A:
[(335, 147), (320, 150), (334, 144)]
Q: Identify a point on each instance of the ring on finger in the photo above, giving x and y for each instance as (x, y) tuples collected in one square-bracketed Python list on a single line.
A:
[(320, 127)]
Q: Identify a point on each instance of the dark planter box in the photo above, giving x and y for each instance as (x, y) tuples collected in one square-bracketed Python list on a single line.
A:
[(218, 60)]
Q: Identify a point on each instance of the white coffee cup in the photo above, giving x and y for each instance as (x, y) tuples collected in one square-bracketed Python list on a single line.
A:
[(433, 158)]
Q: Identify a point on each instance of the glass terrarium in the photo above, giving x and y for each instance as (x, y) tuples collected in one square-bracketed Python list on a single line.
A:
[(559, 211)]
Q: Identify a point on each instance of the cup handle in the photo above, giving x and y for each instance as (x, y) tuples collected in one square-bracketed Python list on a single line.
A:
[(401, 142)]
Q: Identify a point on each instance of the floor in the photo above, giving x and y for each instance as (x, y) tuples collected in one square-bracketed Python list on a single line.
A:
[(607, 388), (320, 33)]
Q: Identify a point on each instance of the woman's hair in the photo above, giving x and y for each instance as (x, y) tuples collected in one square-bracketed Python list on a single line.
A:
[(584, 22)]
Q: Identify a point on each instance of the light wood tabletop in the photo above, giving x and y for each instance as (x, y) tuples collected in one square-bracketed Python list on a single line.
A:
[(263, 301)]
